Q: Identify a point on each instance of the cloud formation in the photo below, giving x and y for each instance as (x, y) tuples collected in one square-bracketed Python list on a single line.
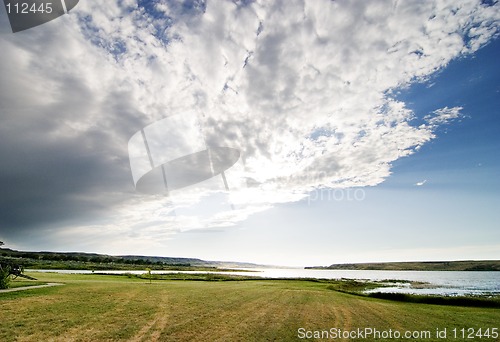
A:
[(421, 183), (303, 89), (443, 115)]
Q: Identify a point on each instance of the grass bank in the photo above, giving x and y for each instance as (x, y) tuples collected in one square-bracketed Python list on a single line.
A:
[(101, 307)]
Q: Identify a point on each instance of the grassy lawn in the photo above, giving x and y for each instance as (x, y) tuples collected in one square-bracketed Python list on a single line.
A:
[(96, 308), (20, 282)]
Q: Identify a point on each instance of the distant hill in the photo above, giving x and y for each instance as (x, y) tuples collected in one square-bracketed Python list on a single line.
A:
[(189, 261), (465, 265), (89, 260)]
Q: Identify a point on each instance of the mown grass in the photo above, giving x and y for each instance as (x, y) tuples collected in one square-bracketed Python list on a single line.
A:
[(19, 282), (106, 308)]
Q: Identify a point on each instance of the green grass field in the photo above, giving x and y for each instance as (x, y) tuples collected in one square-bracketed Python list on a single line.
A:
[(19, 282), (106, 308)]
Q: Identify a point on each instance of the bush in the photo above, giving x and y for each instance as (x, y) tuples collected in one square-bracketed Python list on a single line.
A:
[(4, 277)]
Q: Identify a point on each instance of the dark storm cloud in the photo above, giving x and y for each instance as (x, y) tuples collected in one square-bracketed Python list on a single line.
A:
[(47, 179), (62, 149)]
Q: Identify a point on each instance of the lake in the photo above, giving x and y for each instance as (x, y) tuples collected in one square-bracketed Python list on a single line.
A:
[(450, 283)]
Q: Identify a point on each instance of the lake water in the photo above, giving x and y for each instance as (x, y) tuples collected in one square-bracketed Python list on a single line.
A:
[(450, 283)]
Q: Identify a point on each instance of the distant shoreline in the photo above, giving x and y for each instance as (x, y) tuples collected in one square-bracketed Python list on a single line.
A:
[(464, 265)]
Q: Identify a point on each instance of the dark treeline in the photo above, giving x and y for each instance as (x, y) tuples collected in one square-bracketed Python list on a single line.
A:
[(32, 258)]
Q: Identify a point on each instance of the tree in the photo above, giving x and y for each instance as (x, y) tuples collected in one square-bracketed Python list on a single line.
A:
[(4, 276), (4, 279), (1, 243)]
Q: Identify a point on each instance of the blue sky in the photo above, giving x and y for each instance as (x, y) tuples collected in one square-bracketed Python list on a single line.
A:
[(364, 131)]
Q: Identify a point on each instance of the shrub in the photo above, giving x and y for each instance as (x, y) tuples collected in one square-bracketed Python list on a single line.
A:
[(4, 277)]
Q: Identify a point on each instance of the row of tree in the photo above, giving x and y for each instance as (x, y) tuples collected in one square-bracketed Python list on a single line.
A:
[(82, 258), (65, 257), (33, 257)]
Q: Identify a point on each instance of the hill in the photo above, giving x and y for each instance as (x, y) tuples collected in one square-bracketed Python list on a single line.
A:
[(464, 265), (79, 260)]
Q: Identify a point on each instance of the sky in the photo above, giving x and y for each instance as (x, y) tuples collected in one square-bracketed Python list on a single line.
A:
[(291, 133)]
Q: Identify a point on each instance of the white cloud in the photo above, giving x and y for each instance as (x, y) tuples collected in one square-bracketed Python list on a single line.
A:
[(421, 183), (443, 115), (300, 88)]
